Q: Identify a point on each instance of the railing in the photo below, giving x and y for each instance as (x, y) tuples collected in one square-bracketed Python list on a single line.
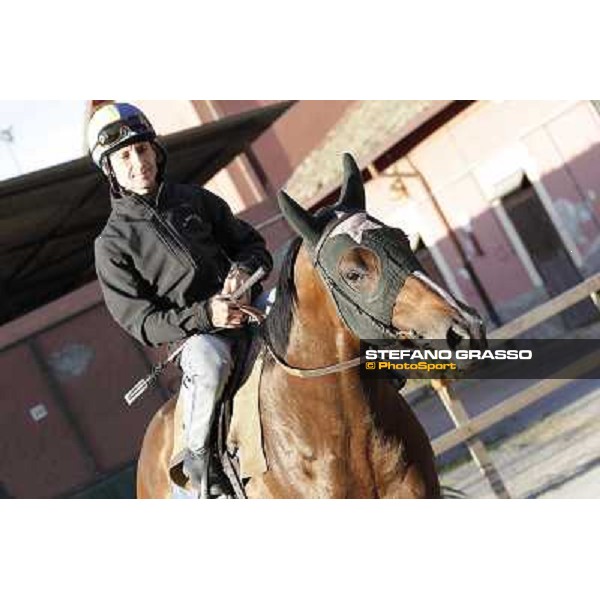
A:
[(467, 428)]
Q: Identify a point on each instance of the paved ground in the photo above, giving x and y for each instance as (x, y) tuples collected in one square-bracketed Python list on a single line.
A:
[(554, 454)]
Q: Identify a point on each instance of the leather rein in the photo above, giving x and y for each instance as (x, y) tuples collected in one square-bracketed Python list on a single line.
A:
[(307, 373)]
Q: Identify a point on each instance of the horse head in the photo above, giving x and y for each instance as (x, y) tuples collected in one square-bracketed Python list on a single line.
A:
[(379, 288)]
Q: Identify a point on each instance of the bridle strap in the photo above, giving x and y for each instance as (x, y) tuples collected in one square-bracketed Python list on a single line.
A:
[(259, 317), (307, 373), (301, 372)]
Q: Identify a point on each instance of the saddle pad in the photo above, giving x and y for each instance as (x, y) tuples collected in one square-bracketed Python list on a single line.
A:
[(245, 431)]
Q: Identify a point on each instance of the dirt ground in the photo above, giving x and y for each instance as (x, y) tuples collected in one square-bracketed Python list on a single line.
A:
[(555, 457)]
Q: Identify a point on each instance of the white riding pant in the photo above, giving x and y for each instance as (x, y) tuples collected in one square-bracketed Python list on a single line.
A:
[(207, 363)]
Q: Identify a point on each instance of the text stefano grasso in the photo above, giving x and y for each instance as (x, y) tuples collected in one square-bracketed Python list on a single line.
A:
[(414, 354)]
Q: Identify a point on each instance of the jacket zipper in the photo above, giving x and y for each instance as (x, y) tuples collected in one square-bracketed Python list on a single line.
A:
[(177, 239), (169, 229)]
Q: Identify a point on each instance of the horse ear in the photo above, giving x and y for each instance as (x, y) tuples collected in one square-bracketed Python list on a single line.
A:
[(352, 195), (299, 219)]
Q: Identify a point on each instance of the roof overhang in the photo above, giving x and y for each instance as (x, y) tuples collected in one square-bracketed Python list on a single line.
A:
[(400, 143)]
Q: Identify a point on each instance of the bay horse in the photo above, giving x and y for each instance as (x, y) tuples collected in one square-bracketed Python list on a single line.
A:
[(328, 432)]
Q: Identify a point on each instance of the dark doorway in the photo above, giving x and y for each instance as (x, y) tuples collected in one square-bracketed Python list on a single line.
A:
[(545, 247)]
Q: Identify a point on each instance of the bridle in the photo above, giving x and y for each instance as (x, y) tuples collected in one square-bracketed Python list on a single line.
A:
[(331, 284), (307, 373)]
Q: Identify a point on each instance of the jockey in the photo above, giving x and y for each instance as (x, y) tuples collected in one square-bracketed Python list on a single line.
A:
[(166, 259)]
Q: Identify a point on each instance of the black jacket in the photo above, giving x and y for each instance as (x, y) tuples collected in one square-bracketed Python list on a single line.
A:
[(158, 262)]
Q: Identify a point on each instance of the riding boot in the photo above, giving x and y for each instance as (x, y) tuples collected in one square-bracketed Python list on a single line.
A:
[(195, 468), (205, 476)]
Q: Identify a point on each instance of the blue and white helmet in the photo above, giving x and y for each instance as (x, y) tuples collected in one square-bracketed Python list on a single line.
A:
[(114, 126)]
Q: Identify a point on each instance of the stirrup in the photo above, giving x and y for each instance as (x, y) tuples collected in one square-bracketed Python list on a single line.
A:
[(204, 475), (195, 468), (218, 483)]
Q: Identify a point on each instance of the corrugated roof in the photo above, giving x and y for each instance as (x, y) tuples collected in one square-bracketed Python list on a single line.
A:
[(362, 130)]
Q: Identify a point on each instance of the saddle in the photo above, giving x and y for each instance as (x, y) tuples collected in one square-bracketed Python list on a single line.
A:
[(236, 435)]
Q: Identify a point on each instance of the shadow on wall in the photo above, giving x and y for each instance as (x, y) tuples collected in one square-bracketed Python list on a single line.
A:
[(517, 223), (284, 146)]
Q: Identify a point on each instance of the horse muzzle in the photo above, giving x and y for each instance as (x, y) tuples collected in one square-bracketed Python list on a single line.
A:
[(429, 313)]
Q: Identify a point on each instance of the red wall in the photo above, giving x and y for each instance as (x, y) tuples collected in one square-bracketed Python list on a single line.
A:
[(554, 143), (76, 364), (293, 136), (37, 459)]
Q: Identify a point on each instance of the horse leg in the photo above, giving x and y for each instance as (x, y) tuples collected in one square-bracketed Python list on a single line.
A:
[(153, 479)]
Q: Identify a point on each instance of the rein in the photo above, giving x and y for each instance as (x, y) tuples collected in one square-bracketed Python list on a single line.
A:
[(304, 373), (307, 373)]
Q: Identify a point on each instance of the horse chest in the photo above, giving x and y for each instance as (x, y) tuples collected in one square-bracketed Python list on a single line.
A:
[(315, 438)]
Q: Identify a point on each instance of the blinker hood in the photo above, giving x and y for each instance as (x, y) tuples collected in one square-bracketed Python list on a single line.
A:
[(368, 315), (331, 234)]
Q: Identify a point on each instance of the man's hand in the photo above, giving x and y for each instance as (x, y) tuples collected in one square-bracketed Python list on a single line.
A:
[(234, 280), (225, 313)]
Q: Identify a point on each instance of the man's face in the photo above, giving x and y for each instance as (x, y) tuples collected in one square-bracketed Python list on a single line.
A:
[(135, 167)]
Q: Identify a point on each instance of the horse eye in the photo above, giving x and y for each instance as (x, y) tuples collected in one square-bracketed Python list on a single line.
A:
[(354, 275), (360, 270)]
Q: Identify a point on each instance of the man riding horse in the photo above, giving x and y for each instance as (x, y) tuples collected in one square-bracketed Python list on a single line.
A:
[(168, 258)]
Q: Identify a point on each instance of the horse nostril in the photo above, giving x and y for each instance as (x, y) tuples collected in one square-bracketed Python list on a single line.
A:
[(453, 338)]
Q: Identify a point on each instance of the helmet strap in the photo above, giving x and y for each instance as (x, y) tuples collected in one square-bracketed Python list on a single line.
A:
[(107, 168), (161, 160)]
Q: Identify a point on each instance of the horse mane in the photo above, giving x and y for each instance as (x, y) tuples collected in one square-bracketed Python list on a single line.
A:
[(278, 324)]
